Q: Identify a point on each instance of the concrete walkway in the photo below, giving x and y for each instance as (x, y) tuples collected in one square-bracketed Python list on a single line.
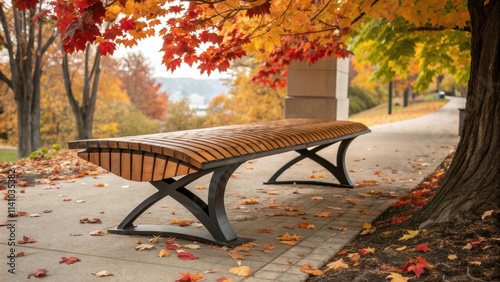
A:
[(396, 155)]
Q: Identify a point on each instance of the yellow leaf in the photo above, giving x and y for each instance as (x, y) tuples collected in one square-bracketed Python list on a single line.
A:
[(241, 270), (401, 248), (411, 234), (323, 214), (311, 270), (250, 201), (163, 253), (143, 247), (452, 257), (475, 262), (337, 264), (199, 187), (396, 277), (366, 225), (319, 198)]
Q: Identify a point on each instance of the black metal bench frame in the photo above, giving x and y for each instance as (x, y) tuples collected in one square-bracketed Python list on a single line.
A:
[(212, 214)]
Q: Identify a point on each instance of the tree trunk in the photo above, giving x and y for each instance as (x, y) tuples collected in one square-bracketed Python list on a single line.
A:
[(472, 183), (84, 112)]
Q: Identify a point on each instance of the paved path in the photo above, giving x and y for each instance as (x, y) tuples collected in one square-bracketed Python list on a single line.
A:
[(404, 152)]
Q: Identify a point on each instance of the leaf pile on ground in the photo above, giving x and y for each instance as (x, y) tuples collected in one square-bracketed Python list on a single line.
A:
[(61, 165), (395, 251)]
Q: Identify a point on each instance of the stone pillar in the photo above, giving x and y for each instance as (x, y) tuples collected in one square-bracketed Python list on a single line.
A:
[(319, 90)]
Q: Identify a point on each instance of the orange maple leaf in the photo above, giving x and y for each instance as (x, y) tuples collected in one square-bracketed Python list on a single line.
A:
[(189, 277)]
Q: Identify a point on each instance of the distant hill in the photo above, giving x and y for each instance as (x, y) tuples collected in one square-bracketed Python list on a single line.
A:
[(178, 88)]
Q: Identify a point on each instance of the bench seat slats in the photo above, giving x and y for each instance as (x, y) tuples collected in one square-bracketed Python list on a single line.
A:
[(164, 155)]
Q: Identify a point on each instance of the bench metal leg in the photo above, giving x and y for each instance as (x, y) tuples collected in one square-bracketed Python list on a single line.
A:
[(339, 170), (212, 215)]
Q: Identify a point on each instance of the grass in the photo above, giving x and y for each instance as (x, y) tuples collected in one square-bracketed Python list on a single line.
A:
[(8, 156), (379, 115)]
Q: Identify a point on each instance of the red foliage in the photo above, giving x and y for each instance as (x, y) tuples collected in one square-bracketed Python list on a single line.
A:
[(263, 9), (25, 4)]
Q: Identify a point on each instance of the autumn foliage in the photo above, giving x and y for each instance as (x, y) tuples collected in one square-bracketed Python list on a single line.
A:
[(211, 34)]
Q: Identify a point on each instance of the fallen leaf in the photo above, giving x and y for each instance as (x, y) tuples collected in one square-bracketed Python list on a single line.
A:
[(250, 201), (353, 201), (235, 254), (80, 201), (366, 183), (66, 199), (366, 225), (191, 246), (368, 231), (41, 272), (272, 192), (21, 254), (181, 223), (268, 247), (100, 185), (423, 248), (343, 252), (452, 257), (186, 256), (163, 253), (98, 233), (223, 279), (155, 239), (486, 214), (316, 175), (143, 247), (396, 277), (366, 251), (411, 234), (475, 262), (35, 215), (323, 214), (467, 247), (334, 208), (304, 225), (87, 220), (337, 264), (189, 277), (241, 270), (401, 248), (69, 260), (103, 273), (199, 187), (26, 240), (311, 270), (264, 230), (354, 256), (318, 198)]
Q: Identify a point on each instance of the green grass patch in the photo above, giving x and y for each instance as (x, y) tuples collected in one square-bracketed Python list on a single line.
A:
[(8, 156)]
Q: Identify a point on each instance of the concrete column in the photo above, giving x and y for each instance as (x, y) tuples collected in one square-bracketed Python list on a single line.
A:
[(319, 90)]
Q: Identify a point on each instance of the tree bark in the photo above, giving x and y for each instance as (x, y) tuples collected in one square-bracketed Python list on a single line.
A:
[(84, 112), (472, 183)]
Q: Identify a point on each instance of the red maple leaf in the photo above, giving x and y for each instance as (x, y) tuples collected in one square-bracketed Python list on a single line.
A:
[(423, 248), (107, 48), (263, 9), (189, 277), (38, 273), (416, 266), (69, 260), (127, 24), (186, 256), (397, 220)]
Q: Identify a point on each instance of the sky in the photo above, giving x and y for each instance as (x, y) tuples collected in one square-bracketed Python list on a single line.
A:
[(150, 48)]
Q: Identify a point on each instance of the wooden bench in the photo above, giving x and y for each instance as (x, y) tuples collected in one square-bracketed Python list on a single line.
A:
[(170, 161)]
